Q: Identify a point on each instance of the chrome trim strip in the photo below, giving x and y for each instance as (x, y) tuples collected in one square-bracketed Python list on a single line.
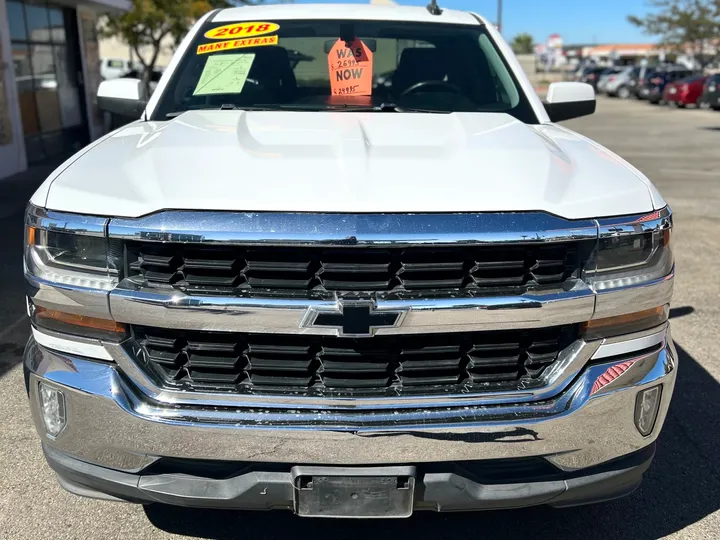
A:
[(64, 222), (68, 298), (637, 224), (133, 304), (276, 228), (634, 298), (615, 347), (90, 348)]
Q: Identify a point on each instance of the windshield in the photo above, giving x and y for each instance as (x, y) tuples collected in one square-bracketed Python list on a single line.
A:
[(344, 65)]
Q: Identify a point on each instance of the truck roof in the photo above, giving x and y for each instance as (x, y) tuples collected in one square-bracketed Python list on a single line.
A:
[(364, 12)]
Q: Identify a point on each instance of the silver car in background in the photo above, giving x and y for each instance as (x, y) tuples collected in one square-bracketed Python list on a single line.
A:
[(619, 83), (605, 77)]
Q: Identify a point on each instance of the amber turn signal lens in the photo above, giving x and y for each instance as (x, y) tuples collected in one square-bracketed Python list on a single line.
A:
[(31, 232), (625, 324), (79, 320), (623, 319)]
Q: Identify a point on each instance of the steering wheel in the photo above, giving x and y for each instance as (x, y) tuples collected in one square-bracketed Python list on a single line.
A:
[(438, 84)]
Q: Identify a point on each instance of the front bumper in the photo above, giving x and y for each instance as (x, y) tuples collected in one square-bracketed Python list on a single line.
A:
[(442, 487), (113, 426)]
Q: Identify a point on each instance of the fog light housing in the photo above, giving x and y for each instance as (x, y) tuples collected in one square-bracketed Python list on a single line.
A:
[(52, 407), (647, 404)]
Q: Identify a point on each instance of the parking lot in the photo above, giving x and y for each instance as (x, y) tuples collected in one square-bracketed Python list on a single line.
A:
[(680, 152)]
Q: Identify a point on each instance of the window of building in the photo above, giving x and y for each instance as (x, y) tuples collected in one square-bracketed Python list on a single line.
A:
[(48, 74)]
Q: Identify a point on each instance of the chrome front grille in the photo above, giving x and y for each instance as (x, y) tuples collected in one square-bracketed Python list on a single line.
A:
[(228, 270), (223, 302), (462, 362)]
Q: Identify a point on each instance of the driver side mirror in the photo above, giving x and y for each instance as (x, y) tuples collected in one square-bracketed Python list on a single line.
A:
[(566, 100), (124, 97)]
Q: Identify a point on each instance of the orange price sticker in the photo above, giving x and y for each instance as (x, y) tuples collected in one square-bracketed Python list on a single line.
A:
[(241, 30), (350, 66)]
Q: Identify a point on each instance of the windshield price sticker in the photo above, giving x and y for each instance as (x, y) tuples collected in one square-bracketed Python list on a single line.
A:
[(224, 74), (350, 67), (241, 30), (237, 44)]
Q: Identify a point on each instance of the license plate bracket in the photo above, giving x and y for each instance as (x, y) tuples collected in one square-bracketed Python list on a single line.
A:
[(348, 492)]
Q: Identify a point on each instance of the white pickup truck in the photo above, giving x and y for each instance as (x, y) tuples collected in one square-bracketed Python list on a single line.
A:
[(376, 280)]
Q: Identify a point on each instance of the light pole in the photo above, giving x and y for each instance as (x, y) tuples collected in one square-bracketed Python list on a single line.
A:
[(499, 16)]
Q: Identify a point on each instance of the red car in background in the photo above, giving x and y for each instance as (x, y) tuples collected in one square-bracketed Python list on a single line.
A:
[(685, 91)]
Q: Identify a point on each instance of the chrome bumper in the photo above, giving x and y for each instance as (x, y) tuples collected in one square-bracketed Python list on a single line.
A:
[(113, 424)]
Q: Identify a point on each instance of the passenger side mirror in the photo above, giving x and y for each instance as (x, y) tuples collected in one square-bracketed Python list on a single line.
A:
[(124, 97), (566, 100)]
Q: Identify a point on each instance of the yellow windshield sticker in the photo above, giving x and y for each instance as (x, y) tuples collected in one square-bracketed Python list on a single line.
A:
[(241, 30), (224, 74), (237, 44)]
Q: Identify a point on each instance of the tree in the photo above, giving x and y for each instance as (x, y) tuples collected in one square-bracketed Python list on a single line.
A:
[(150, 22), (523, 44), (683, 25)]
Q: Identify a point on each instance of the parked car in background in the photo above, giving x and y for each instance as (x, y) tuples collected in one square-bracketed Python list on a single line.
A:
[(655, 86), (710, 98), (685, 91), (605, 78), (638, 83), (114, 68), (647, 72), (619, 84), (591, 75)]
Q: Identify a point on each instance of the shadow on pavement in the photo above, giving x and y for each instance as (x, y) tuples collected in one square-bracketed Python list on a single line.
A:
[(15, 192), (682, 311), (14, 326), (681, 487)]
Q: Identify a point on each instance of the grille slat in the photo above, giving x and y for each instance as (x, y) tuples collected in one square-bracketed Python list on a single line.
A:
[(382, 365), (498, 267), (209, 361)]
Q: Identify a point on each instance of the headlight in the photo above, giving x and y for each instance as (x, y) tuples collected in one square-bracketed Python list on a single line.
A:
[(68, 250), (633, 251)]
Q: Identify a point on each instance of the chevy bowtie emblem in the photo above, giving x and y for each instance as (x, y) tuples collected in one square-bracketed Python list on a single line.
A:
[(354, 319)]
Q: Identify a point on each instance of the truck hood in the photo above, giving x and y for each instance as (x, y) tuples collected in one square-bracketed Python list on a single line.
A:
[(347, 162)]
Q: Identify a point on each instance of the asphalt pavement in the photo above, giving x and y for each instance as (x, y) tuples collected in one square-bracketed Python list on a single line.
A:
[(680, 497)]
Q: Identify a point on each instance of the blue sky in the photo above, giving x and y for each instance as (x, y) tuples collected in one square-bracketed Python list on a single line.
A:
[(577, 21)]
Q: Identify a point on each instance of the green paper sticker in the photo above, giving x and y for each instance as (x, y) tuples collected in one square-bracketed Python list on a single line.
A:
[(224, 74)]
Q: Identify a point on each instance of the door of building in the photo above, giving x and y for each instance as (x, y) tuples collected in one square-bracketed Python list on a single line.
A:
[(48, 74)]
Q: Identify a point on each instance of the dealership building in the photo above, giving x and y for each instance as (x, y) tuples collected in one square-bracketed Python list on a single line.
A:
[(49, 75)]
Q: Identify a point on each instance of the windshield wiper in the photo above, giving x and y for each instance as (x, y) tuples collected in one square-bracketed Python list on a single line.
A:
[(225, 107), (347, 107), (383, 107)]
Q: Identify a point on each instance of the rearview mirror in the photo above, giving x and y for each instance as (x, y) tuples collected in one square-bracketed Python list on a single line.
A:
[(566, 100), (369, 43), (124, 97)]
